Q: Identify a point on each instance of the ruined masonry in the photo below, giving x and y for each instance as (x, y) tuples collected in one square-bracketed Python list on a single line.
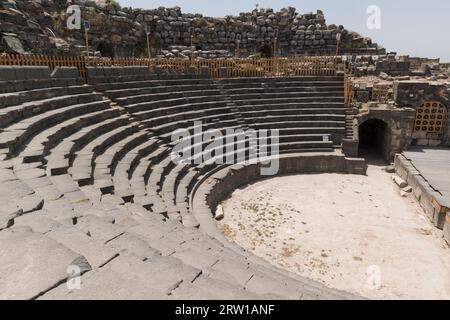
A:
[(40, 27)]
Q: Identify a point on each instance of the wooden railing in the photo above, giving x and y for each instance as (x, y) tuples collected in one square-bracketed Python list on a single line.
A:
[(217, 68), (349, 90), (273, 67)]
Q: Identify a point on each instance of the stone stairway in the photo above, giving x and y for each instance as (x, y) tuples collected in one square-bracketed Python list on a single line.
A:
[(89, 186)]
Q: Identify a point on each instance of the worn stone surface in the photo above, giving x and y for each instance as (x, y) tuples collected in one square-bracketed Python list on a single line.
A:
[(31, 264)]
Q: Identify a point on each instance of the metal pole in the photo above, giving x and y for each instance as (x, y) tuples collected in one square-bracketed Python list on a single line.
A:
[(148, 46), (87, 42), (338, 42), (275, 46)]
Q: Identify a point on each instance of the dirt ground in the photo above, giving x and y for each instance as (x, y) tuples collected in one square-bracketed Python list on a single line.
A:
[(350, 232)]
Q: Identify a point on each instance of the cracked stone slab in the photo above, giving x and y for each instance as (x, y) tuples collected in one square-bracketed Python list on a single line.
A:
[(98, 229), (64, 183), (95, 252), (133, 245), (7, 175), (28, 174), (31, 264), (37, 221), (49, 193), (14, 189), (9, 212), (124, 278)]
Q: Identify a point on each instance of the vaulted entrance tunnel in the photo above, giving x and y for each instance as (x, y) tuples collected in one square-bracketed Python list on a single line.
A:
[(374, 139)]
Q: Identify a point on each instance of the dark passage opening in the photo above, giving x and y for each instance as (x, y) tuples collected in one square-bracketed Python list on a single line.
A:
[(374, 139)]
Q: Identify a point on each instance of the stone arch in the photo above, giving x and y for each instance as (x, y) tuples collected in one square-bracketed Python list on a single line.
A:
[(374, 136), (266, 51), (106, 49)]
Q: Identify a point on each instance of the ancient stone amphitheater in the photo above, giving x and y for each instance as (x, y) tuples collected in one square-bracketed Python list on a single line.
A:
[(88, 182)]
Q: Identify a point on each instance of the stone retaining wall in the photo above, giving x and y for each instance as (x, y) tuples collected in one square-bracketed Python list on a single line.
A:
[(430, 200), (40, 27)]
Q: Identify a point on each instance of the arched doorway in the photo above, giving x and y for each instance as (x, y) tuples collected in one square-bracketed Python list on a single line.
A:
[(374, 139), (106, 49)]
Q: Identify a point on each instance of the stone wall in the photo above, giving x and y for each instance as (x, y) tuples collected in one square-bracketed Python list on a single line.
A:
[(39, 26), (399, 124)]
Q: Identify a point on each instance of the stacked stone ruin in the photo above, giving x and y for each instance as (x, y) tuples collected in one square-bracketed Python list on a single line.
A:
[(88, 181), (41, 27)]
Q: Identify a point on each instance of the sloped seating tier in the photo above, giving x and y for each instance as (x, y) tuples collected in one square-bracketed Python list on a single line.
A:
[(105, 194), (39, 146), (41, 110), (63, 154), (100, 75)]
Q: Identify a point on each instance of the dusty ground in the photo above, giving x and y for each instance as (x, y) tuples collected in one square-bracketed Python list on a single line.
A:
[(353, 233)]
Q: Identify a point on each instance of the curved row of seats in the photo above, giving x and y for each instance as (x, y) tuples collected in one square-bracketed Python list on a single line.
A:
[(88, 181)]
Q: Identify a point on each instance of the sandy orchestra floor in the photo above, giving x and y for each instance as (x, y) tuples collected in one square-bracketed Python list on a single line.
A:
[(350, 232)]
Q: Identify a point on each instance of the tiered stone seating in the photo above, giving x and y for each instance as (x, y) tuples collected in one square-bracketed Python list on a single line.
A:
[(91, 184)]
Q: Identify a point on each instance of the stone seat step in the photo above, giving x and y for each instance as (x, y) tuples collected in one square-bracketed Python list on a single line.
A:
[(154, 181), (173, 100), (152, 108), (41, 259), (202, 288), (34, 84), (289, 112), (187, 117), (279, 80), (17, 196), (23, 111), (292, 106), (150, 105), (316, 118), (149, 97), (40, 145), (118, 150), (299, 124), (151, 83), (304, 137), (159, 118), (228, 119), (82, 166), (125, 169), (117, 93), (143, 96), (284, 100), (129, 278), (143, 169), (21, 97), (171, 181), (125, 186), (141, 151), (222, 127), (17, 134), (290, 130), (183, 190), (237, 97), (286, 90), (106, 163), (258, 83), (61, 156)]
